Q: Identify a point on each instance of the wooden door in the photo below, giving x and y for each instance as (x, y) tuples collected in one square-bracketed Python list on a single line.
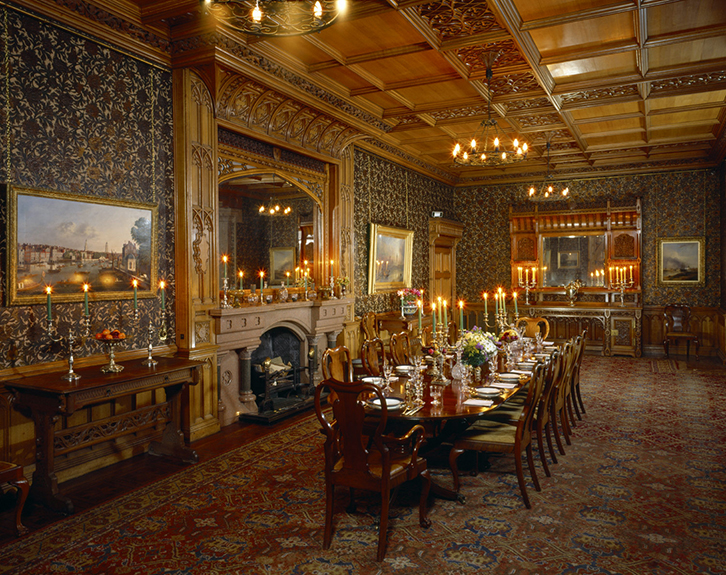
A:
[(443, 277), (443, 237)]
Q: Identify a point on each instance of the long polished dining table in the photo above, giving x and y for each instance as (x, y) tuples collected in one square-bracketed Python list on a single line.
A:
[(456, 411)]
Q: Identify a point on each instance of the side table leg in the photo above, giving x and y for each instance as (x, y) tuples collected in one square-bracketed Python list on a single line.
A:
[(44, 489), (23, 489), (172, 443)]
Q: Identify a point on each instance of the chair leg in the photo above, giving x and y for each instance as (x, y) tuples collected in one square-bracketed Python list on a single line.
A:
[(23, 489), (556, 431), (453, 456), (565, 425), (540, 449), (329, 501), (573, 398), (548, 434), (579, 398), (382, 535), (532, 470), (520, 479), (572, 422), (424, 521)]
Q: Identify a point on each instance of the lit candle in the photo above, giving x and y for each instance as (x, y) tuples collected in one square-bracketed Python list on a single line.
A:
[(85, 298), (400, 295), (306, 280), (611, 274), (162, 285), (225, 259), (287, 279), (534, 276), (262, 282), (486, 304), (446, 316), (496, 303), (48, 291), (526, 275), (134, 283), (516, 311), (461, 314), (438, 307), (519, 274), (241, 279), (631, 273), (433, 315), (419, 303), (502, 302)]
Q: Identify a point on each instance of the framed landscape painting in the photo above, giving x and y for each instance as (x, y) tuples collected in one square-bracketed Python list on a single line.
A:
[(681, 261), (568, 260), (390, 259), (66, 240), (281, 260)]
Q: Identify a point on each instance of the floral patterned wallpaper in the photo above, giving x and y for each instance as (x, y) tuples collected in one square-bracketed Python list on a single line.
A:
[(673, 204), (92, 121), (391, 195)]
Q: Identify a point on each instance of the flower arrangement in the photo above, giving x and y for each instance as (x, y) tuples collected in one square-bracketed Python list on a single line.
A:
[(409, 295), (509, 336), (478, 347), (342, 281)]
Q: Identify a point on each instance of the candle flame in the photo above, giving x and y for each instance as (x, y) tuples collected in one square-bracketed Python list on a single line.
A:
[(48, 289), (162, 284), (135, 282), (86, 286)]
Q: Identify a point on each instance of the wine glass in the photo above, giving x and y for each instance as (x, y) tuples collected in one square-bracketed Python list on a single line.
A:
[(387, 371)]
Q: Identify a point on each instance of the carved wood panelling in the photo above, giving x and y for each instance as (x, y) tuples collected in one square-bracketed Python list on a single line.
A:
[(704, 322), (247, 103), (624, 246), (526, 249)]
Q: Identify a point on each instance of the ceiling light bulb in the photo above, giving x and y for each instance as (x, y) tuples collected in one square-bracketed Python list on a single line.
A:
[(549, 188), (565, 191), (531, 191), (466, 156), (257, 14), (272, 211), (483, 157), (262, 209), (341, 5), (473, 144), (524, 148), (504, 156), (547, 194), (516, 143), (496, 142), (457, 148), (317, 10), (277, 208), (519, 151)]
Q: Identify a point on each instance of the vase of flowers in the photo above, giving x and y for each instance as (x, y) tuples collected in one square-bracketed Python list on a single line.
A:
[(478, 347), (409, 298)]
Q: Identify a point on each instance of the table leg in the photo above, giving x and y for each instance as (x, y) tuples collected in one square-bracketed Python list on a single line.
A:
[(44, 489), (172, 443)]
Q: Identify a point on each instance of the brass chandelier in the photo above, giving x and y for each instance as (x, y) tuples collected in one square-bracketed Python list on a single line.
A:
[(548, 189), (273, 208), (489, 146), (276, 17)]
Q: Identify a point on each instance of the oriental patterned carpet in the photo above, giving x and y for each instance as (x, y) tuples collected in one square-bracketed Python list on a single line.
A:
[(642, 490)]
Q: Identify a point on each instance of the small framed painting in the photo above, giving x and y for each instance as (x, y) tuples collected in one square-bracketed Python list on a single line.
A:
[(681, 261), (568, 260), (281, 260), (390, 259)]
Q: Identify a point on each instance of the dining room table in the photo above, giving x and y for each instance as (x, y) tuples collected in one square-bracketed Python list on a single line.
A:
[(459, 407)]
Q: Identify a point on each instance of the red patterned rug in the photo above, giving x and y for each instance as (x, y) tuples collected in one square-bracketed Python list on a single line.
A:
[(642, 490)]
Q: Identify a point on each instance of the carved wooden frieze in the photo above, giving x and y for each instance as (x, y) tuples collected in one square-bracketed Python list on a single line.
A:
[(526, 249), (200, 93), (203, 225), (246, 102), (623, 337), (508, 56), (714, 80), (596, 97)]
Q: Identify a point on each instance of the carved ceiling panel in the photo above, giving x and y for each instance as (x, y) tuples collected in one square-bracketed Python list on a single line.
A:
[(459, 18)]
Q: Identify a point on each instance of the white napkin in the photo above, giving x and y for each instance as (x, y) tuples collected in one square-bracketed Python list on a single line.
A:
[(522, 371), (479, 402), (548, 343), (502, 385)]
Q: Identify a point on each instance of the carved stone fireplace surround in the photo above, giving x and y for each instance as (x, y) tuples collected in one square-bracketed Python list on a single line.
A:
[(238, 332)]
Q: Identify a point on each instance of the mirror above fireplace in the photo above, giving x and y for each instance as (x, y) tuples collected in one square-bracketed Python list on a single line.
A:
[(267, 223)]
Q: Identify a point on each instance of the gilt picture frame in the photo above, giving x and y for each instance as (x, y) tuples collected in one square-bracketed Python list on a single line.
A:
[(64, 240), (281, 260), (390, 258), (568, 260), (681, 261)]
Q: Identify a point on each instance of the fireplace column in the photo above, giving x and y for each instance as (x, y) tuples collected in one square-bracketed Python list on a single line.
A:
[(333, 338), (246, 397), (314, 357)]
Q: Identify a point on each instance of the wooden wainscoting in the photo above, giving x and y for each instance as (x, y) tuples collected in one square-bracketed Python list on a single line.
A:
[(707, 322)]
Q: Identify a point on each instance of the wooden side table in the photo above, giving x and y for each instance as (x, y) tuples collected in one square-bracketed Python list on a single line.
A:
[(13, 474)]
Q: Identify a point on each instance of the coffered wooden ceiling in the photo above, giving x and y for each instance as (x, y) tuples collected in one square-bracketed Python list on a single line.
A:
[(619, 86)]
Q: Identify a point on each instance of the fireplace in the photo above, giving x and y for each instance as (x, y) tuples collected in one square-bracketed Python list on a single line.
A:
[(296, 332)]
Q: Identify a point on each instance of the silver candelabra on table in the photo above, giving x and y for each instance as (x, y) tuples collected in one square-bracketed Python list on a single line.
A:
[(621, 285), (73, 344), (527, 284)]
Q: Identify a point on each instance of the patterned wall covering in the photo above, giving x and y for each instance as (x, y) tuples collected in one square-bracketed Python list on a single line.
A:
[(674, 204), (80, 121), (388, 194)]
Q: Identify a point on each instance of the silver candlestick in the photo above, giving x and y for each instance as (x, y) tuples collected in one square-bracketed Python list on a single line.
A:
[(527, 284), (225, 289), (52, 334), (150, 361)]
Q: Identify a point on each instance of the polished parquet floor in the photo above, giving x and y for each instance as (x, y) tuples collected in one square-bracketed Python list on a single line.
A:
[(119, 479)]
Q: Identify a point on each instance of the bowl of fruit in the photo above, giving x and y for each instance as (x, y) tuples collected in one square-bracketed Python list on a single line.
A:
[(111, 338)]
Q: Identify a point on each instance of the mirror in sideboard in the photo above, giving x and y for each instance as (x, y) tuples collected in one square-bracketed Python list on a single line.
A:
[(574, 257), (266, 223)]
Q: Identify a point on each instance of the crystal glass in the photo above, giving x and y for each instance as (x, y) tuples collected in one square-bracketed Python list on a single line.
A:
[(539, 340), (387, 371), (436, 391), (457, 372)]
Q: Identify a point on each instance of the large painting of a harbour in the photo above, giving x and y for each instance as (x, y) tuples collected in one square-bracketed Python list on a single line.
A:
[(65, 241)]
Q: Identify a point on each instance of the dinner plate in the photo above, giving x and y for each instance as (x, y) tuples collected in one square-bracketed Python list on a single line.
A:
[(379, 381), (488, 391), (391, 403), (405, 368), (512, 376), (541, 355)]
